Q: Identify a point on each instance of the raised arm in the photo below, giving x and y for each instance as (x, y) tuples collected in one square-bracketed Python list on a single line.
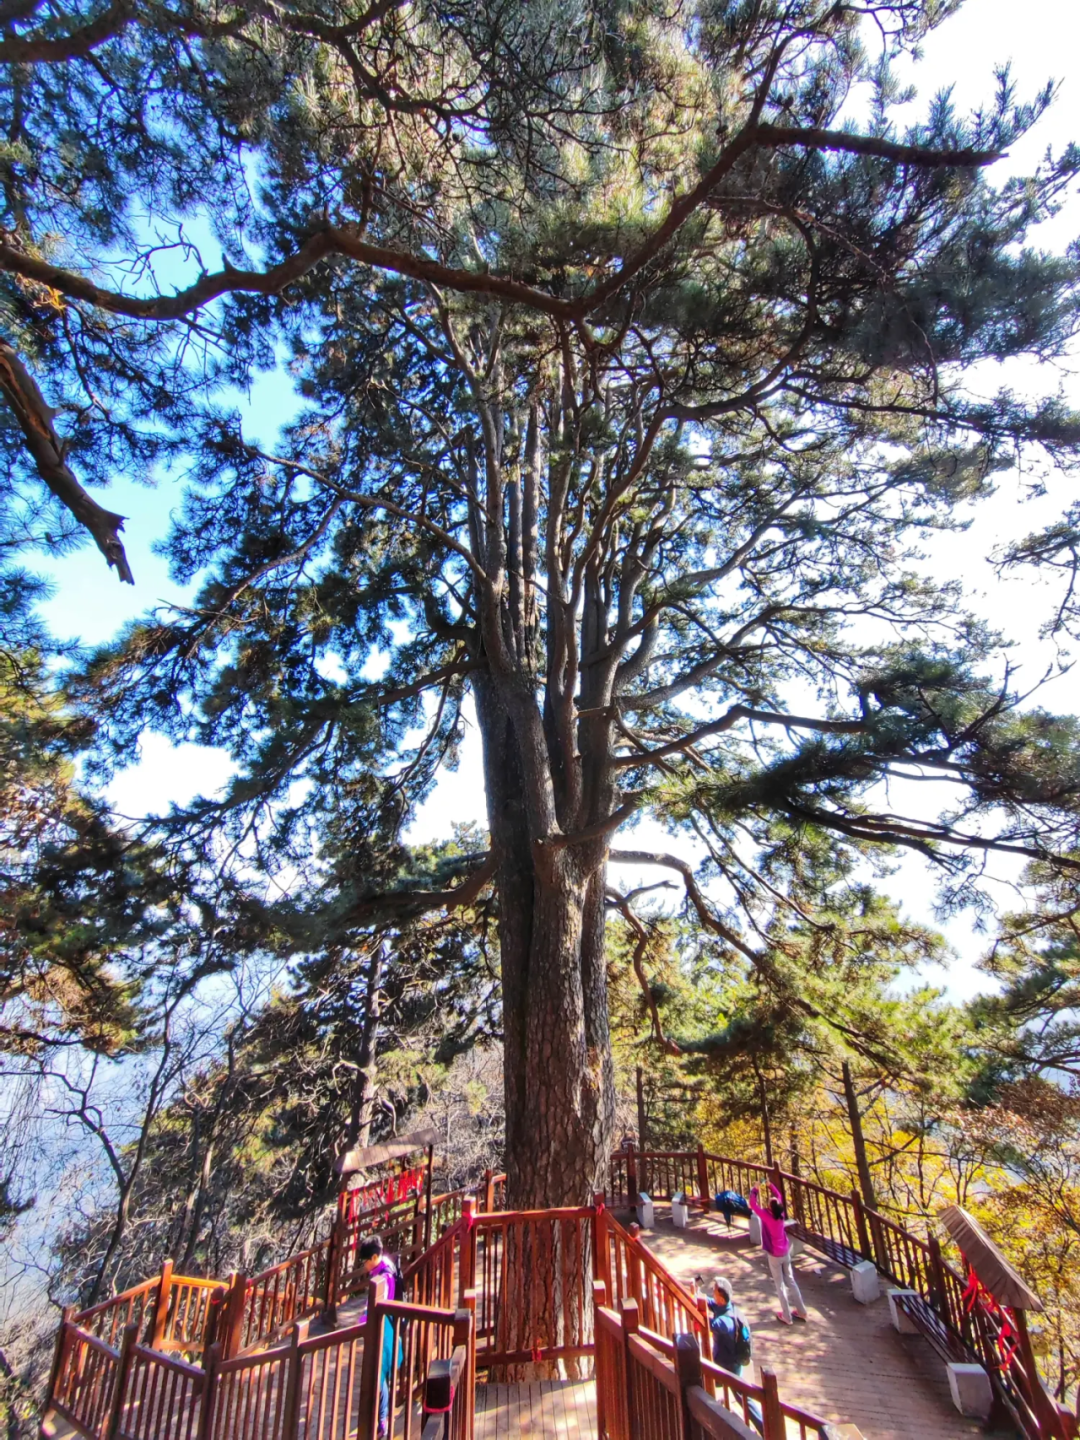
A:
[(755, 1206)]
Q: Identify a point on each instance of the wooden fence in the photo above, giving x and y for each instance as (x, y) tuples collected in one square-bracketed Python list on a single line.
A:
[(630, 1271), (649, 1387), (124, 1368), (313, 1387), (847, 1231)]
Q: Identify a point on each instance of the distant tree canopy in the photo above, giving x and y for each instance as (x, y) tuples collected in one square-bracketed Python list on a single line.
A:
[(630, 377)]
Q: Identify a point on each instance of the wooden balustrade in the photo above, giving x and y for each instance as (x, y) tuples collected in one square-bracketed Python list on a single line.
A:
[(450, 1389), (183, 1313), (108, 1319), (649, 1386), (664, 1173), (437, 1277), (402, 1228), (725, 1173), (633, 1272), (514, 1251), (162, 1397), (84, 1380), (275, 1298), (608, 1296), (391, 1190)]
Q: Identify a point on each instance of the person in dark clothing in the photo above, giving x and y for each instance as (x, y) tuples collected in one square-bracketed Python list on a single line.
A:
[(729, 1203), (732, 1343)]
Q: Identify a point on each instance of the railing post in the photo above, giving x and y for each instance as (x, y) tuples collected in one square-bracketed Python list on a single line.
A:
[(703, 1177), (633, 1264), (429, 1161), (489, 1192), (367, 1418), (58, 1361), (600, 1299), (467, 1271), (688, 1369), (860, 1225), (774, 1427), (601, 1243), (161, 1306), (468, 1302), (465, 1334), (215, 1311), (335, 1248), (233, 1339), (209, 1395), (631, 1176), (123, 1365), (290, 1420), (937, 1279), (630, 1322)]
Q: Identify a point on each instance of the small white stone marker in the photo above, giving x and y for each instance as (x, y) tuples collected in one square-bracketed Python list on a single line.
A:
[(901, 1320), (645, 1215), (971, 1390), (680, 1214), (755, 1229), (865, 1285)]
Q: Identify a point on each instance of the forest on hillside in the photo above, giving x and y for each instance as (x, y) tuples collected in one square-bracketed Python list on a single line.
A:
[(638, 414)]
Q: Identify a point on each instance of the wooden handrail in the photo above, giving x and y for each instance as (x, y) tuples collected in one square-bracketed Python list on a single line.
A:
[(626, 1273)]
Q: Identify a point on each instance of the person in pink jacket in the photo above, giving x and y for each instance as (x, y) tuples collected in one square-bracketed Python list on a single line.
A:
[(777, 1247)]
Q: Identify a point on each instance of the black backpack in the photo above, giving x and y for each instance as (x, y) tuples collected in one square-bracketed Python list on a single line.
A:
[(736, 1341), (744, 1342)]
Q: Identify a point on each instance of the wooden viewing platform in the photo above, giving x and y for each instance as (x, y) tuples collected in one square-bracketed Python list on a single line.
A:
[(296, 1352)]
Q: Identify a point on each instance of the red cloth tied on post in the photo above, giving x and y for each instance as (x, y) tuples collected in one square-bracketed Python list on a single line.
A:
[(1006, 1340)]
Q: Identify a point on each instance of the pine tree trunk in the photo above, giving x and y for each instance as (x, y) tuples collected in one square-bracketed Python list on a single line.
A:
[(862, 1162), (559, 1086), (365, 1089)]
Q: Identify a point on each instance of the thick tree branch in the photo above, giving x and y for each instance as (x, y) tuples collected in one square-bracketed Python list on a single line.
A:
[(347, 240), (405, 904), (622, 904), (35, 420), (731, 718)]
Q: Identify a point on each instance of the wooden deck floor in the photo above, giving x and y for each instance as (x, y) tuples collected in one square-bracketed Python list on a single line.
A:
[(554, 1409), (847, 1364)]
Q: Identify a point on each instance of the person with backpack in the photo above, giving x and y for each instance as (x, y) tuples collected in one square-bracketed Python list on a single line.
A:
[(375, 1263), (777, 1247), (732, 1343)]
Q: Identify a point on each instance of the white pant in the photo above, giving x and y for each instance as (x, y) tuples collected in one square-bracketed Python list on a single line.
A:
[(784, 1280)]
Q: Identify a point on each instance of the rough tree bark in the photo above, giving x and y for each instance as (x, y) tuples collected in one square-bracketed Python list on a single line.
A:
[(364, 1092), (866, 1183)]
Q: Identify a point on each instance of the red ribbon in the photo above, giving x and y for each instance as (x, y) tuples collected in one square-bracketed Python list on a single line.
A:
[(1007, 1339)]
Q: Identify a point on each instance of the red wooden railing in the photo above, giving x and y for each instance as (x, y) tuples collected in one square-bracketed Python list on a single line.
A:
[(846, 1230), (649, 1386), (162, 1397), (131, 1307), (272, 1301), (508, 1253), (84, 1380), (113, 1380), (630, 1271)]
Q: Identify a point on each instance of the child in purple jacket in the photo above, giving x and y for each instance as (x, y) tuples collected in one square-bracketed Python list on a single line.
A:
[(375, 1263), (777, 1247)]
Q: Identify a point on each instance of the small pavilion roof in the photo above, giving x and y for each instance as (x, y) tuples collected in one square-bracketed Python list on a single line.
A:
[(368, 1156), (994, 1271)]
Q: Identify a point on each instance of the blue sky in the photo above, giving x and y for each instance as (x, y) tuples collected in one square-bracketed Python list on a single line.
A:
[(1040, 39)]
